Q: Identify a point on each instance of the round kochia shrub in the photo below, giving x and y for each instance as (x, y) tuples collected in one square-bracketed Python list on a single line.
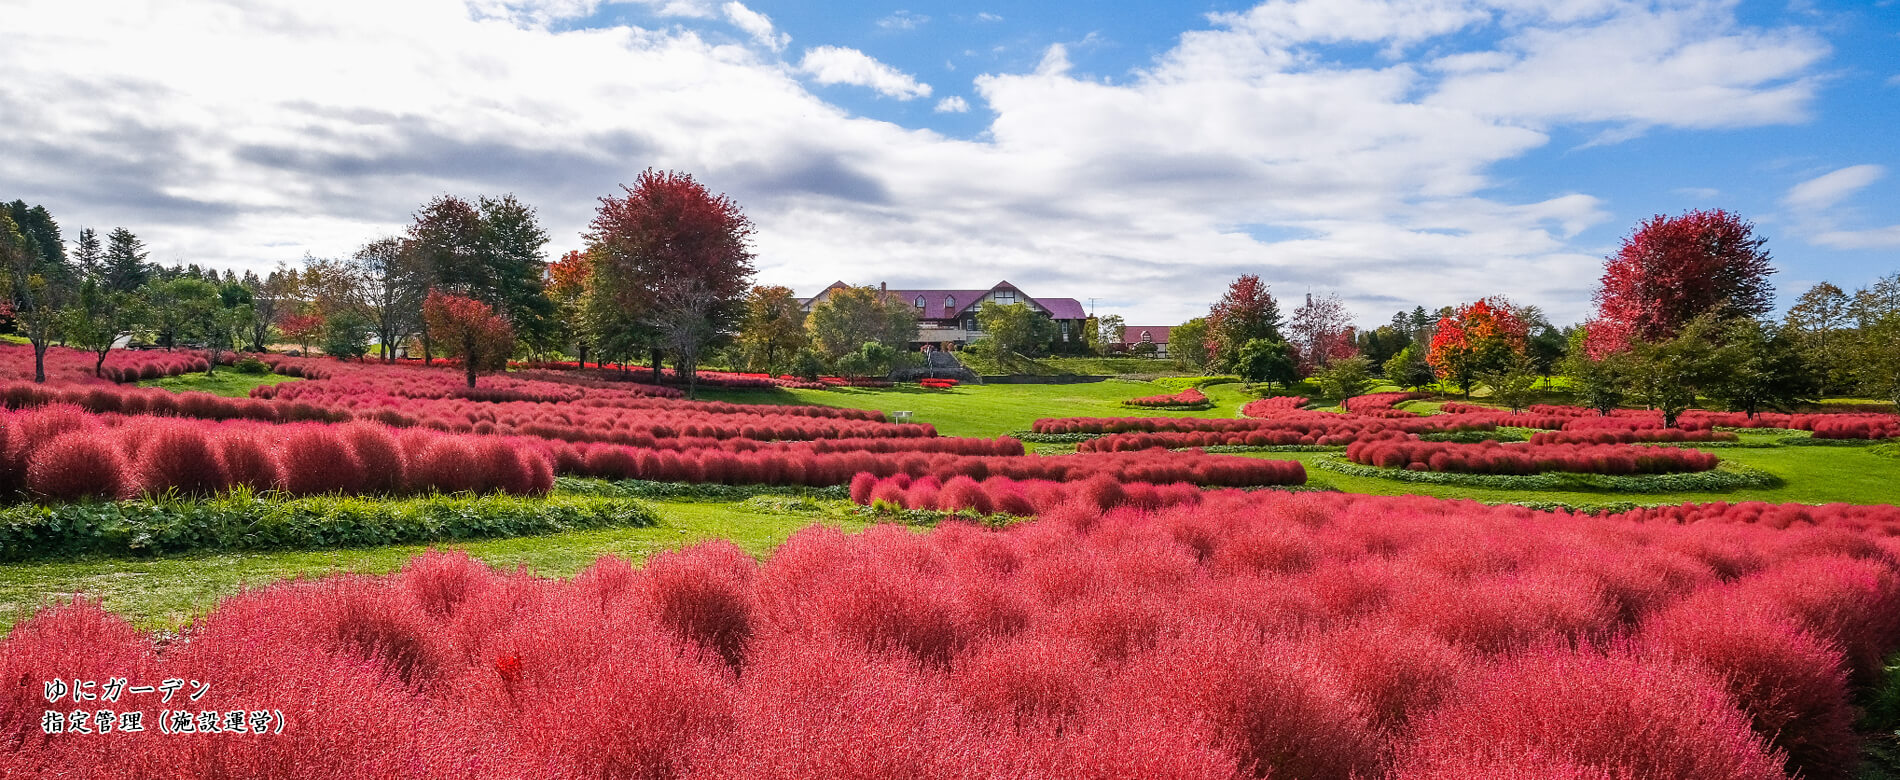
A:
[(1490, 457), (316, 460), (77, 465), (181, 459)]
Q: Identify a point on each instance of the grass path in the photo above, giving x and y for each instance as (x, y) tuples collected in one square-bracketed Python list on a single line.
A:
[(166, 593)]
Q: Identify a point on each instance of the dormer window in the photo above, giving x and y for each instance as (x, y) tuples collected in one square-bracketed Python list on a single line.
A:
[(920, 301), (1005, 297), (1147, 339), (950, 302)]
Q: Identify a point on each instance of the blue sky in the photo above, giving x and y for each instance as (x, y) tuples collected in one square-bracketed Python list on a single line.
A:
[(1415, 152)]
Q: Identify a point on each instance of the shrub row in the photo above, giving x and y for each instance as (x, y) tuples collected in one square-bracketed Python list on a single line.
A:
[(1124, 442), (936, 384), (245, 523), (62, 453), (1312, 636), (1652, 436), (1725, 477), (1191, 398), (674, 491), (1491, 457), (1021, 498), (1277, 406), (820, 469)]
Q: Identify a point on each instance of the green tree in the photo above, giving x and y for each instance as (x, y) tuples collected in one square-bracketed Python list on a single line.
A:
[(1345, 378), (38, 283), (1877, 362), (1015, 328), (1820, 318), (1516, 385), (1408, 368), (773, 330), (1187, 345), (850, 316), (99, 318), (1759, 367), (125, 269), (1266, 360), (1597, 382), (1667, 374), (1108, 332), (345, 336), (89, 256)]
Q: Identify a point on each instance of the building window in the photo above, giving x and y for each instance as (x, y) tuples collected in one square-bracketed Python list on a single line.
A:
[(949, 303), (1146, 339), (969, 323), (1005, 297), (920, 302)]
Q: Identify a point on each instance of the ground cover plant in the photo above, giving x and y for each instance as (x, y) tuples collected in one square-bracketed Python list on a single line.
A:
[(1310, 635)]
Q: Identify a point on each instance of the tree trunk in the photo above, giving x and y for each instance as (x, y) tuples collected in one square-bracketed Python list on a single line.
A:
[(582, 348), (211, 366), (99, 368), (656, 366), (468, 361), (39, 360)]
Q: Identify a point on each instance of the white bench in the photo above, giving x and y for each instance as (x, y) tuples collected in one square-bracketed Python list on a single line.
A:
[(902, 417)]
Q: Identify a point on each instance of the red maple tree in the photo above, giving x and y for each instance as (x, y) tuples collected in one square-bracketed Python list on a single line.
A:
[(470, 330), (1674, 268), (1245, 313), (301, 328)]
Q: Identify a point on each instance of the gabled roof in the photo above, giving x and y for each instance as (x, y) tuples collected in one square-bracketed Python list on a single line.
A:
[(1131, 334), (952, 304)]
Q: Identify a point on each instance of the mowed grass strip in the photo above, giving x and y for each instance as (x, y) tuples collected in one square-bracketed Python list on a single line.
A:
[(167, 593), (994, 410)]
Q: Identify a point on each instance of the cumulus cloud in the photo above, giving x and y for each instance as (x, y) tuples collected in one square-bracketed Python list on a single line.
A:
[(952, 105), (839, 65), (241, 140), (755, 24)]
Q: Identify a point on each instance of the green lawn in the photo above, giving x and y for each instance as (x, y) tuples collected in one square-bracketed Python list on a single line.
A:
[(993, 410), (166, 593), (226, 382), (1810, 475)]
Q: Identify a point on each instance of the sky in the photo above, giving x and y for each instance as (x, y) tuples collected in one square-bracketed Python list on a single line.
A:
[(1134, 156)]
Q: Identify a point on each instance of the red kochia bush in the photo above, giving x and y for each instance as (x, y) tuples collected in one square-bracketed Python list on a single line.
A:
[(182, 459), (78, 465), (1792, 685), (1490, 457), (317, 460), (1189, 397), (1579, 707)]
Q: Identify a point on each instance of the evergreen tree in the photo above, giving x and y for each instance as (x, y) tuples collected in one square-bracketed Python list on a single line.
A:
[(125, 268)]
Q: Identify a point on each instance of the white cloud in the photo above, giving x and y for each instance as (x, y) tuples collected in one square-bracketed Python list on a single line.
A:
[(1374, 181), (1823, 192), (1876, 238), (952, 105), (903, 20), (755, 24), (985, 16), (839, 65)]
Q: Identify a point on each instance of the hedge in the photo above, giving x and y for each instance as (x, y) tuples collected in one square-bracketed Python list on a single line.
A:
[(1724, 477), (240, 522)]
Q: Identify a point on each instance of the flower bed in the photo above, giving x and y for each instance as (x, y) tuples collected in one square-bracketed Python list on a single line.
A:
[(1189, 399), (1309, 635), (1531, 458)]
